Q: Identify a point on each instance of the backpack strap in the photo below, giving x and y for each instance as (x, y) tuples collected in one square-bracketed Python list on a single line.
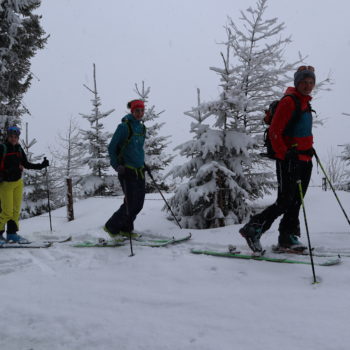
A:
[(127, 141), (296, 114)]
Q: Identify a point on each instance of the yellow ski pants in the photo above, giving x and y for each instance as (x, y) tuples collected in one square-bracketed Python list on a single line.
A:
[(11, 201)]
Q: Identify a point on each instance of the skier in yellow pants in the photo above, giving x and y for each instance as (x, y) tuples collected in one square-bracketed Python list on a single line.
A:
[(12, 162)]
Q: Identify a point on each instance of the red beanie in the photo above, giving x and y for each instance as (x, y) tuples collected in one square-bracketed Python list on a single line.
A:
[(136, 104)]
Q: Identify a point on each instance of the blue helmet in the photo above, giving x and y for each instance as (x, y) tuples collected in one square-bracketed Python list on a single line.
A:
[(13, 130)]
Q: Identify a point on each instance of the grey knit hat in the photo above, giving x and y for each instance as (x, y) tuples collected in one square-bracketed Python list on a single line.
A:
[(301, 74)]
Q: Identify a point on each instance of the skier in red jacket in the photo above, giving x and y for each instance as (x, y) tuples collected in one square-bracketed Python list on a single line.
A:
[(293, 151)]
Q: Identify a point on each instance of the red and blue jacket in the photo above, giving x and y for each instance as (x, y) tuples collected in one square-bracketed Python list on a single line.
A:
[(12, 162), (299, 134)]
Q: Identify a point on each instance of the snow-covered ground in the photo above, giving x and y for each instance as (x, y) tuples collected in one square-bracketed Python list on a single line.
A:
[(167, 298)]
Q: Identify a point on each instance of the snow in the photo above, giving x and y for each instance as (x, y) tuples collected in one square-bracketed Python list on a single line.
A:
[(167, 298)]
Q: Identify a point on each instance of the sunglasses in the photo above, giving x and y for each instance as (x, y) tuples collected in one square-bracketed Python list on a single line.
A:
[(310, 68)]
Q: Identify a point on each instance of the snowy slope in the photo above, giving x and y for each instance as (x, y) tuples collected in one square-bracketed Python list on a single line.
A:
[(166, 298)]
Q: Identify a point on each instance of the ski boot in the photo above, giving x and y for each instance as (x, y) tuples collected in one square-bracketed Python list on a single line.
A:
[(290, 243), (15, 238), (133, 235), (114, 236), (2, 238), (252, 233)]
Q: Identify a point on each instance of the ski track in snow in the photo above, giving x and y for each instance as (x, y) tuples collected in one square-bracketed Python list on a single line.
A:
[(167, 298)]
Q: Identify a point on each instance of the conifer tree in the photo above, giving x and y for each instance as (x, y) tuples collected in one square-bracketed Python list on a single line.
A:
[(217, 191), (346, 159), (95, 141), (156, 157), (68, 158), (21, 35), (260, 70), (35, 189)]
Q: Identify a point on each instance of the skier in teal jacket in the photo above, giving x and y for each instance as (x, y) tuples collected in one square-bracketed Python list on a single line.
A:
[(127, 158)]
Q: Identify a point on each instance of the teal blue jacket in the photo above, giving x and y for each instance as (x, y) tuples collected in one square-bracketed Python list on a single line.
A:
[(128, 152)]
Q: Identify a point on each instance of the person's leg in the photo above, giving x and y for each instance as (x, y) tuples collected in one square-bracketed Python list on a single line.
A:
[(17, 203), (285, 187), (289, 228), (133, 186), (13, 223), (6, 199), (260, 223), (135, 196), (116, 222)]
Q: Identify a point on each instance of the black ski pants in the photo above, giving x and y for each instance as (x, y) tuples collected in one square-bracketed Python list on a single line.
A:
[(288, 198), (133, 185)]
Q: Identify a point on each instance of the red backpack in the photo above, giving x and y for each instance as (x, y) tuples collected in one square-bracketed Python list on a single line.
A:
[(269, 114)]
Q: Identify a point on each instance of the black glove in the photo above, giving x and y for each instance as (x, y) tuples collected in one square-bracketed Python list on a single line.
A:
[(291, 155), (45, 163), (309, 152), (120, 169)]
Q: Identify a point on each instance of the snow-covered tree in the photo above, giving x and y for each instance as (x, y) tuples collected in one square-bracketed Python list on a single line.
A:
[(217, 191), (156, 157), (67, 158), (20, 37), (68, 153), (260, 70), (335, 168), (35, 190), (95, 141), (346, 159)]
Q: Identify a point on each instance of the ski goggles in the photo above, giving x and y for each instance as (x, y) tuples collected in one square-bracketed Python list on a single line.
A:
[(310, 68), (13, 130)]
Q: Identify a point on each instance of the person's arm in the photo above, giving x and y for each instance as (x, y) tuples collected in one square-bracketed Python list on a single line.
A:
[(283, 114), (118, 139), (27, 165)]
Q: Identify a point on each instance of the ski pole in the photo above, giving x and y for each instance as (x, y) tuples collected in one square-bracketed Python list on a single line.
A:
[(128, 215), (157, 187), (48, 195), (307, 230), (331, 186)]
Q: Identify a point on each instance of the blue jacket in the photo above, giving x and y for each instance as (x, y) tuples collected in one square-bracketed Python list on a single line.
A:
[(124, 152)]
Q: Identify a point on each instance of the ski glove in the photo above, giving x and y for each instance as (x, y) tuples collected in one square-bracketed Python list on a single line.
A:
[(45, 163), (120, 169)]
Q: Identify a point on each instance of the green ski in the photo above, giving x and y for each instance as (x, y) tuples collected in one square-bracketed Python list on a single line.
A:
[(161, 242), (328, 262), (100, 244)]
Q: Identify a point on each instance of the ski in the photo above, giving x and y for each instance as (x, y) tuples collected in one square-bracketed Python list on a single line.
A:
[(26, 245), (328, 262), (63, 240), (154, 243), (162, 242), (315, 252), (101, 243)]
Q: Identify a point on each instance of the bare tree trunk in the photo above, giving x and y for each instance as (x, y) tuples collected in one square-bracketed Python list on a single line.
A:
[(70, 211)]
